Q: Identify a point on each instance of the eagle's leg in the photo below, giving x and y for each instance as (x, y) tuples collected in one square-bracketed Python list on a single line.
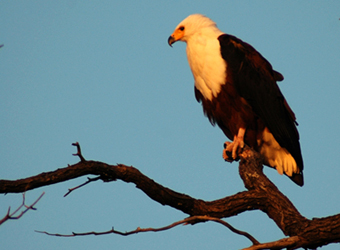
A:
[(230, 151)]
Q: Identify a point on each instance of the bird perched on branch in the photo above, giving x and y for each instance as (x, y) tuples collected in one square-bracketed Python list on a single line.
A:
[(238, 91)]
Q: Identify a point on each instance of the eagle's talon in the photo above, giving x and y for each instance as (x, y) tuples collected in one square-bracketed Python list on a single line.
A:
[(227, 156), (232, 150)]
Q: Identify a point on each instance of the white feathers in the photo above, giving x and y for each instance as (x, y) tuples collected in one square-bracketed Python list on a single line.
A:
[(276, 156), (204, 54)]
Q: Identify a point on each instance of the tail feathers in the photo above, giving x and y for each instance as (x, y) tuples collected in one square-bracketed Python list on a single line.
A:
[(297, 179)]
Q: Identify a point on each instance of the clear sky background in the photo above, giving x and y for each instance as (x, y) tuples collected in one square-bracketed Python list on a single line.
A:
[(102, 73)]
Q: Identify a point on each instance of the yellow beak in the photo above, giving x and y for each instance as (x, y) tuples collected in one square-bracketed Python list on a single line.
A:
[(177, 35)]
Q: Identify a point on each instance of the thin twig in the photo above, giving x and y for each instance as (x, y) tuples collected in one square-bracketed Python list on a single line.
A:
[(82, 159), (81, 185), (10, 216), (138, 230), (189, 220), (231, 228)]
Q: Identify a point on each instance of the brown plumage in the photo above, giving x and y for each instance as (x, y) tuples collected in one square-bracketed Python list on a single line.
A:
[(237, 88)]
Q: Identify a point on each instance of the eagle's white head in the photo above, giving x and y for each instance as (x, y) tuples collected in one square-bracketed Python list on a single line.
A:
[(190, 26), (203, 51)]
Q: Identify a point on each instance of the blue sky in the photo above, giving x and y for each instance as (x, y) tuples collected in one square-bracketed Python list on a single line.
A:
[(102, 73)]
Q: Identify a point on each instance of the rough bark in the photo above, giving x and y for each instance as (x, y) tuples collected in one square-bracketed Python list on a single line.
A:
[(262, 195)]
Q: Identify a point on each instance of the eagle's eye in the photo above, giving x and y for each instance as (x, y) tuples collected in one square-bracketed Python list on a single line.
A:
[(181, 28)]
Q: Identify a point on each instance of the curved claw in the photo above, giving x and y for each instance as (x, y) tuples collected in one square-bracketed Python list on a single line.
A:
[(232, 149)]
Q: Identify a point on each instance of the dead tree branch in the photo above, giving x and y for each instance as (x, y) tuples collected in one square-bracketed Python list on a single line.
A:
[(262, 195), (89, 180), (13, 216), (189, 220)]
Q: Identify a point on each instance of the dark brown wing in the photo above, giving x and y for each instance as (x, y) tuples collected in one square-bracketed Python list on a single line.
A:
[(255, 81)]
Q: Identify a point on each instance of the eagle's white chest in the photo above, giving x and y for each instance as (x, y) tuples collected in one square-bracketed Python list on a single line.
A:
[(206, 63)]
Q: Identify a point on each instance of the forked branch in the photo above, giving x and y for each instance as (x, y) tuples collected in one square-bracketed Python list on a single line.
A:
[(262, 195), (15, 215)]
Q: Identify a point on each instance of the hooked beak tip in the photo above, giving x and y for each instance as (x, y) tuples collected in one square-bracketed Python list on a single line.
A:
[(171, 40)]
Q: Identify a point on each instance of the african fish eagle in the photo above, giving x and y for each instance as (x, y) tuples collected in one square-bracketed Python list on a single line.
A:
[(238, 91)]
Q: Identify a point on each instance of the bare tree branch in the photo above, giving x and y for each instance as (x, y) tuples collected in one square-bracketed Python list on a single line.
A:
[(89, 180), (12, 216), (82, 159), (262, 195), (189, 220)]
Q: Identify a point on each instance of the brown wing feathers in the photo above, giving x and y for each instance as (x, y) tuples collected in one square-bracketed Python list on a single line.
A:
[(255, 81)]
